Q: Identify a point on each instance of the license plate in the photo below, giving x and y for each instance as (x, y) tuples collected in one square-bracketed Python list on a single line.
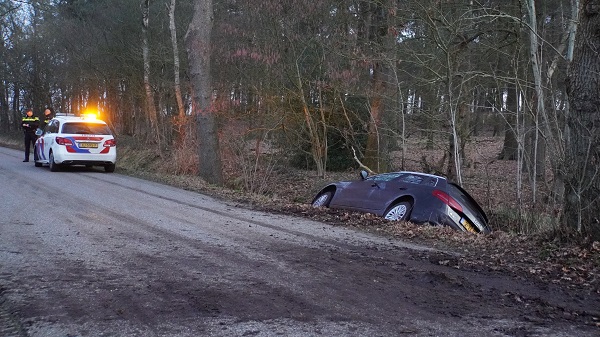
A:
[(88, 145), (467, 225)]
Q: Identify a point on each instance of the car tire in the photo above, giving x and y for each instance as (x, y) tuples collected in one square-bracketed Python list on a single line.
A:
[(110, 168), (54, 167), (36, 158), (398, 211), (323, 199)]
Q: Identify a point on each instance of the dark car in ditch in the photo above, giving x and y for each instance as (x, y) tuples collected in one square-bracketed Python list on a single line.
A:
[(407, 196)]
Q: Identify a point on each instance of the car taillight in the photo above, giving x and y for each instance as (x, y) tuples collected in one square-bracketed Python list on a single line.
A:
[(64, 141), (448, 200), (110, 143)]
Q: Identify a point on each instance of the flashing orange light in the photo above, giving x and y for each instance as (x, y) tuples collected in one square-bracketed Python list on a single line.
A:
[(90, 114)]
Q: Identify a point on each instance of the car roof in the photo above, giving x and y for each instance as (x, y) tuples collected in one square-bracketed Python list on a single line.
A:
[(420, 173), (81, 118)]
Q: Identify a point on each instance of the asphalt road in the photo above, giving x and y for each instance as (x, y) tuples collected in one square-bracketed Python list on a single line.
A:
[(86, 253)]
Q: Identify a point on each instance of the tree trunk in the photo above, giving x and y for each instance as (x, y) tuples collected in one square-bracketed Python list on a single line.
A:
[(582, 183), (558, 188), (150, 106), (180, 122), (198, 44), (4, 110), (538, 159), (15, 102), (510, 147), (377, 17), (375, 151), (317, 136)]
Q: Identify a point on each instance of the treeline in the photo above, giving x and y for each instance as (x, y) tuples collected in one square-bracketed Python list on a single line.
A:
[(317, 80)]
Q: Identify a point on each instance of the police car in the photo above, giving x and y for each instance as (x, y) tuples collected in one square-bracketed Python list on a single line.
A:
[(76, 140)]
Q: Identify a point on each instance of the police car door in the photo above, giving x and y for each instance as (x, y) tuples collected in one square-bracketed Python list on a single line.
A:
[(48, 138)]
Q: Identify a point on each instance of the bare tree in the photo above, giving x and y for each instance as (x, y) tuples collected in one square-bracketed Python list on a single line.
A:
[(198, 44), (539, 107), (582, 183), (150, 107), (176, 64), (376, 37)]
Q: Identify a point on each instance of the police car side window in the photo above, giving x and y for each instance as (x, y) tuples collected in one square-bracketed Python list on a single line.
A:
[(48, 127), (53, 127)]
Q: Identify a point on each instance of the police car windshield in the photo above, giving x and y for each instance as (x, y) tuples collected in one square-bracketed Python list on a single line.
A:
[(82, 128)]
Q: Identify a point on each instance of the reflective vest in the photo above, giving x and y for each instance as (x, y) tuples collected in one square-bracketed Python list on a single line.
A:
[(30, 124)]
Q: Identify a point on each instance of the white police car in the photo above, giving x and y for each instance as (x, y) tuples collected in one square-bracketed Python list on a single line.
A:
[(76, 140)]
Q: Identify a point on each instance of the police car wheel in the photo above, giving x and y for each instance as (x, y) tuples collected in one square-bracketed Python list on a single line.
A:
[(54, 167), (109, 168)]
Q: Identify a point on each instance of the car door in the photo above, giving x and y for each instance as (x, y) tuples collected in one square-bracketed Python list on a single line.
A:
[(370, 194), (397, 185), (357, 195), (388, 190), (47, 139)]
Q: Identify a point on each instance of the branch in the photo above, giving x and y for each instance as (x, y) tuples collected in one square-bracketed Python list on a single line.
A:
[(361, 164)]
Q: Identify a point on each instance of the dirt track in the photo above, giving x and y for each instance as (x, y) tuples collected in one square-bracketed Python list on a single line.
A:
[(112, 255)]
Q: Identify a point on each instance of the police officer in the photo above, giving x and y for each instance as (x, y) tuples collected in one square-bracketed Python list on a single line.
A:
[(48, 115), (29, 124)]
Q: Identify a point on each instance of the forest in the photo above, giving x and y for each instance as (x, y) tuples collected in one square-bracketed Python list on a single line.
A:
[(233, 90)]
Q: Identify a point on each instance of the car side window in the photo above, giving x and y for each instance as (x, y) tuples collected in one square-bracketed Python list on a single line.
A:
[(405, 177), (431, 182), (51, 127), (384, 176), (411, 179)]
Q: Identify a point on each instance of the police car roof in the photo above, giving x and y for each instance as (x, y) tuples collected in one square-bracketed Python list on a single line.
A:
[(71, 118)]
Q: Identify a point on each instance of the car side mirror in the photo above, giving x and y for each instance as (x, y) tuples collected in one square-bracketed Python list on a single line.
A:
[(38, 132), (364, 174)]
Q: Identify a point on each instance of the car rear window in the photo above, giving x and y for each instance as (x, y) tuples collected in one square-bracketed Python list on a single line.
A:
[(82, 128)]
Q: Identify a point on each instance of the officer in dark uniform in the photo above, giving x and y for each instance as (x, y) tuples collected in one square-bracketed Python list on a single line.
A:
[(48, 115), (29, 124)]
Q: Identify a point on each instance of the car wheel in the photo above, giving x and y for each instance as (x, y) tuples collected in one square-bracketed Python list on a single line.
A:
[(398, 212), (323, 199), (54, 167), (35, 157), (110, 168)]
